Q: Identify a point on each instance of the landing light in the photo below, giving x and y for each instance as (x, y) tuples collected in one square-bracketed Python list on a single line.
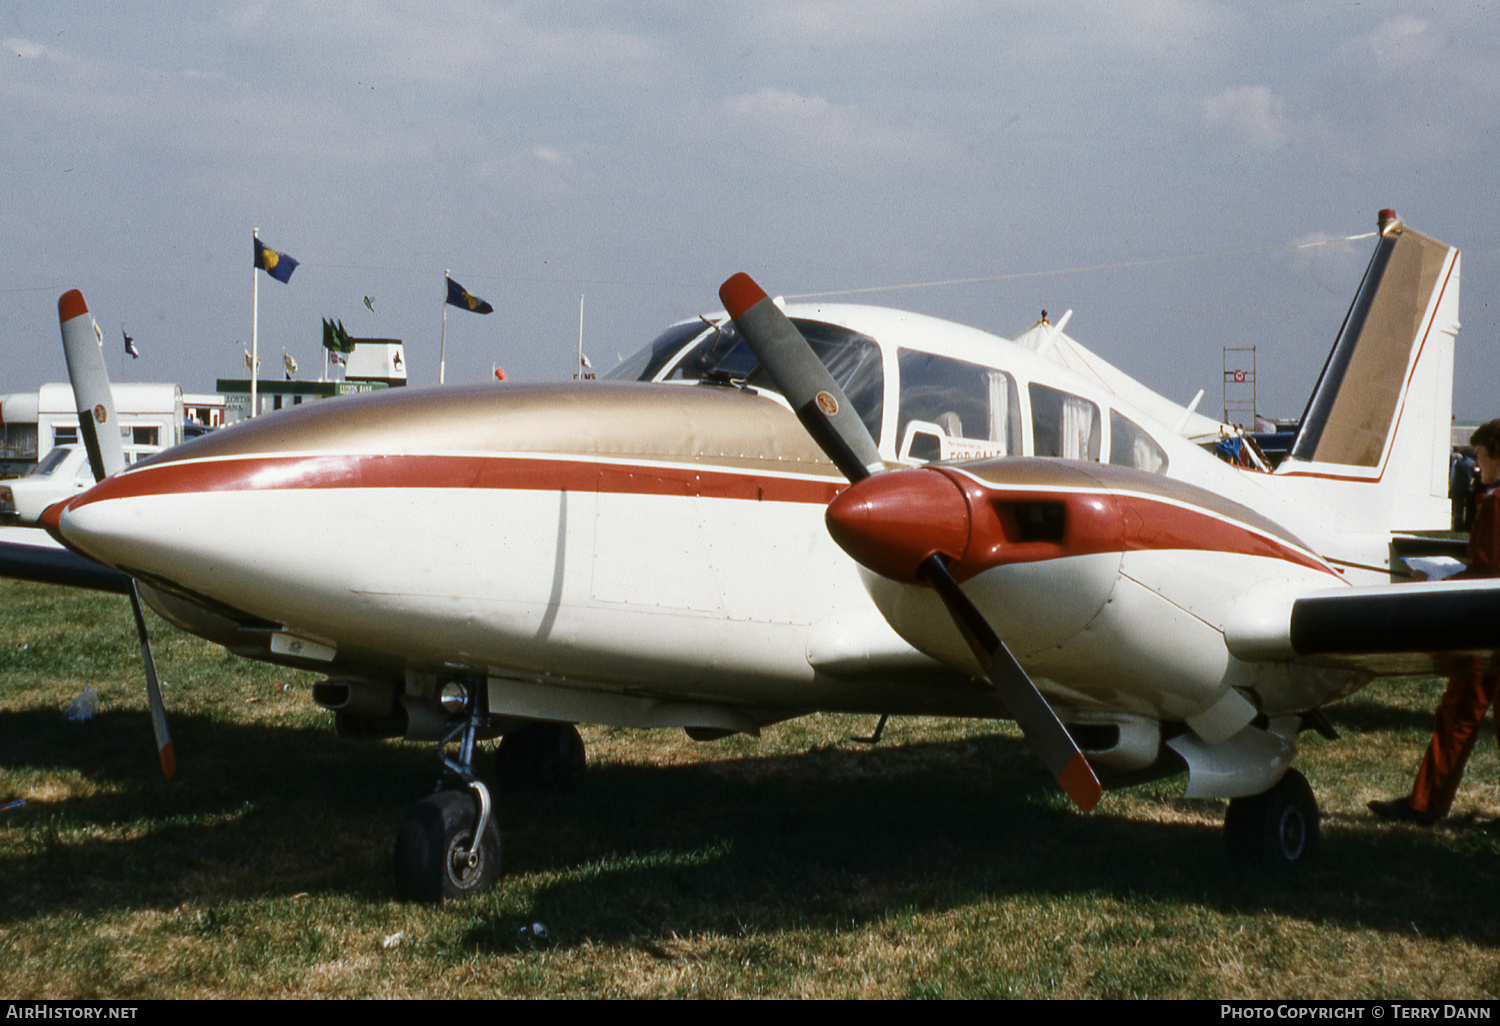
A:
[(454, 697)]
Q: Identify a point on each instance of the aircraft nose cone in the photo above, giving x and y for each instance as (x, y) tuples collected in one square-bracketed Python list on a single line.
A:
[(891, 522)]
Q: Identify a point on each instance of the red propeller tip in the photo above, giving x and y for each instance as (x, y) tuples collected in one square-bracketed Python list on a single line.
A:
[(168, 757), (739, 294), (1080, 783), (71, 305)]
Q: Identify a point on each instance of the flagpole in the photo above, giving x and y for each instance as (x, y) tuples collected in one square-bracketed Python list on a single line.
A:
[(578, 367), (443, 344), (254, 330)]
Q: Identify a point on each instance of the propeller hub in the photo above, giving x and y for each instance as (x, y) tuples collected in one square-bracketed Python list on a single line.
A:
[(891, 522)]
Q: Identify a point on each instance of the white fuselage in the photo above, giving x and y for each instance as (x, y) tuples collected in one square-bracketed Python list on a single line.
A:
[(690, 568)]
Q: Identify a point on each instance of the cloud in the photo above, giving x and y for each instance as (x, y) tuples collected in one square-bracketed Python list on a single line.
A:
[(1019, 27), (1150, 26), (1432, 87), (1253, 116), (540, 171), (816, 130), (134, 115), (1398, 43), (1333, 262), (845, 21), (30, 50), (469, 45)]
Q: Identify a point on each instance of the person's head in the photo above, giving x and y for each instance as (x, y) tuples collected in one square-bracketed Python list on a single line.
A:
[(1486, 443)]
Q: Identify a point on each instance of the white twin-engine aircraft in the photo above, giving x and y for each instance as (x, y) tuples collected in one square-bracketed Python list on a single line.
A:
[(820, 508)]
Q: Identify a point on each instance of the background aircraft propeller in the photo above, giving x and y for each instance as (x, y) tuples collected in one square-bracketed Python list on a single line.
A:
[(101, 437), (833, 422)]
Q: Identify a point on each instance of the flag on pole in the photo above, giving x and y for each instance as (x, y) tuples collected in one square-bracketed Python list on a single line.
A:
[(465, 300), (289, 363), (277, 265), (130, 346), (248, 364), (335, 338)]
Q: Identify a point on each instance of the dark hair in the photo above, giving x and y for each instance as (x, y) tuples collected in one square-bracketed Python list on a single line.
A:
[(1488, 436)]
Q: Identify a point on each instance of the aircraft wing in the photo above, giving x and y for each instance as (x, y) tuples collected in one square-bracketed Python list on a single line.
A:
[(1389, 630), (30, 554)]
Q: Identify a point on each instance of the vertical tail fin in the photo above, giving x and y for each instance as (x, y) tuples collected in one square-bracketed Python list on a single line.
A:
[(1373, 446)]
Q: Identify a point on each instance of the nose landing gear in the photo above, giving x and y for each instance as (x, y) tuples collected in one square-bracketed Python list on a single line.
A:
[(448, 845), (437, 858)]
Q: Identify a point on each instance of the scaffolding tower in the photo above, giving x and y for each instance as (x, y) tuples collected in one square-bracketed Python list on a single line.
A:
[(1239, 386)]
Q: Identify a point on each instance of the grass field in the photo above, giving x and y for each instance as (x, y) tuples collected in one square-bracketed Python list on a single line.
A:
[(941, 863)]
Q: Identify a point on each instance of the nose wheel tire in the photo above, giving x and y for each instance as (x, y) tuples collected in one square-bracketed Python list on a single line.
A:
[(1277, 830), (434, 862)]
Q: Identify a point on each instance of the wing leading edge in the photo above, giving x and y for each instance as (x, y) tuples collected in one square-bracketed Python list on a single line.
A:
[(28, 554), (1387, 630)]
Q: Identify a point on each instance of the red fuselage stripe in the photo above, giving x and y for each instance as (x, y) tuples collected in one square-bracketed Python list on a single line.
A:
[(519, 473), (1166, 525)]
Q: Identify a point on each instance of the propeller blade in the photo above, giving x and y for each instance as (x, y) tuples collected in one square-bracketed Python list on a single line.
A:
[(820, 404), (835, 425), (91, 391), (101, 437), (165, 752), (1049, 739)]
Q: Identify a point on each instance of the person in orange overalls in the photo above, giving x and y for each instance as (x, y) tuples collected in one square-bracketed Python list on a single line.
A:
[(1461, 712)]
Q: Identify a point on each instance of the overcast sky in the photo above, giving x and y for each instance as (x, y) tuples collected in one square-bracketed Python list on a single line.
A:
[(640, 153)]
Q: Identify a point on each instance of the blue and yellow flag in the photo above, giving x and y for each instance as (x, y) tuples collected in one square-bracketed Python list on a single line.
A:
[(277, 265), (465, 300)]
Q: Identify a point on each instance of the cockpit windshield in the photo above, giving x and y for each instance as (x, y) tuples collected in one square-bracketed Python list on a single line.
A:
[(647, 364), (853, 360), (715, 353)]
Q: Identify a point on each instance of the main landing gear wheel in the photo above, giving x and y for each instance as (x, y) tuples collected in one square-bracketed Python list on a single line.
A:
[(1277, 830), (434, 860), (547, 757)]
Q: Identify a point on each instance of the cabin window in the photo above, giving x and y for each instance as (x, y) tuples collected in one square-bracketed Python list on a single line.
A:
[(1063, 424), (143, 436), (946, 403), (65, 435), (1130, 446)]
